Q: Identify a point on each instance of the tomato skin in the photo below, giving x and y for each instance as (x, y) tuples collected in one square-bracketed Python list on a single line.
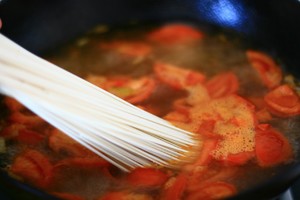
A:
[(146, 88), (269, 72), (175, 34), (146, 177), (176, 77), (283, 101), (271, 147), (222, 85), (176, 189)]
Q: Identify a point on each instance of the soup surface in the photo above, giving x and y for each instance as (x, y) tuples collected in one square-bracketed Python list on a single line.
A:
[(237, 101)]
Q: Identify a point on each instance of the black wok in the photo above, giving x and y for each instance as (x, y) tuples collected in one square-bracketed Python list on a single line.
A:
[(271, 25)]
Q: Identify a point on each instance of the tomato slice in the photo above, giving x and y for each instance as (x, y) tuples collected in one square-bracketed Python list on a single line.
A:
[(206, 129), (239, 159), (180, 105), (222, 85), (61, 143), (283, 101), (132, 90), (143, 88), (213, 190), (29, 137), (86, 162), (177, 77), (133, 48), (263, 115), (33, 167), (175, 187), (271, 147), (146, 177), (205, 156), (175, 34), (269, 72)]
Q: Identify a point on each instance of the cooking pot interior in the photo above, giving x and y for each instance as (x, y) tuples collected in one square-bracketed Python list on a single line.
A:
[(273, 26)]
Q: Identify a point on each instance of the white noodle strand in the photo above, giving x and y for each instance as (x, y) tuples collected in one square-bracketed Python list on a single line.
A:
[(121, 133)]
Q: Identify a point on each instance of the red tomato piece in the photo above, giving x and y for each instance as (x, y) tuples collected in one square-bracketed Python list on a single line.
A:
[(222, 174), (205, 156), (271, 147), (175, 34), (283, 101), (181, 106), (239, 158), (213, 190), (206, 174), (29, 137), (132, 90), (12, 131), (86, 162), (67, 196), (206, 129), (177, 77), (146, 177), (20, 133), (61, 143), (263, 115), (128, 48), (143, 87), (269, 72), (175, 188), (222, 85), (33, 167)]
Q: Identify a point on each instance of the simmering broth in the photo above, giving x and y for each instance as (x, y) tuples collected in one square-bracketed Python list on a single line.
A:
[(237, 101)]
